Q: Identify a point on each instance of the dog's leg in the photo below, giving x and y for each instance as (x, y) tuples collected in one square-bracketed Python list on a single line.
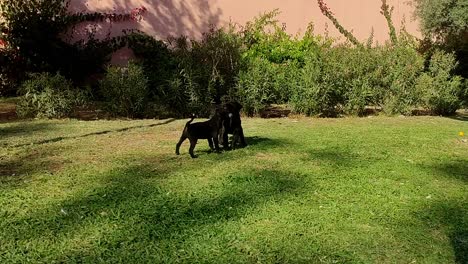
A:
[(216, 143), (235, 138), (241, 137), (210, 143), (182, 138), (225, 140), (193, 143)]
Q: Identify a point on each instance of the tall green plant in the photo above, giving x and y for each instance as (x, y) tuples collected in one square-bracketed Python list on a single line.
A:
[(49, 96), (403, 65), (209, 67), (440, 90), (125, 90), (446, 22)]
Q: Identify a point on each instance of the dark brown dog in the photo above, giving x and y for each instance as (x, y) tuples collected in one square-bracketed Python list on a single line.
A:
[(202, 130), (232, 124)]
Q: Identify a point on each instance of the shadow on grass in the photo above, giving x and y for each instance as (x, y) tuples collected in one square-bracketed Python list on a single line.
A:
[(460, 116), (456, 169), (153, 221), (23, 128), (57, 139), (340, 158), (451, 217), (17, 167), (263, 142)]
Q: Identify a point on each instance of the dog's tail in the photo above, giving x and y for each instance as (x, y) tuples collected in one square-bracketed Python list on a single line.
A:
[(190, 121)]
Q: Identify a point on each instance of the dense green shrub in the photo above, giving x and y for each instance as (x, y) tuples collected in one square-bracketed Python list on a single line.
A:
[(464, 93), (445, 24), (439, 90), (125, 90), (11, 72), (403, 65), (265, 38), (166, 92), (255, 87), (208, 68), (49, 96), (356, 75), (263, 83), (311, 97), (274, 61)]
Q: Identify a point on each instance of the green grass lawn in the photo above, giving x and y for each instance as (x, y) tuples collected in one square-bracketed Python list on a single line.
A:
[(351, 190)]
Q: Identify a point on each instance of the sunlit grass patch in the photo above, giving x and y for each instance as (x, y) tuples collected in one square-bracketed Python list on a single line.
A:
[(372, 190)]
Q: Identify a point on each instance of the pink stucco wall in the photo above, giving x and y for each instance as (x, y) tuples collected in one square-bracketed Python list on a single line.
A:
[(192, 17)]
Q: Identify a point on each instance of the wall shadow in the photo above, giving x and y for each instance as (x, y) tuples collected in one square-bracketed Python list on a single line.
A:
[(163, 17)]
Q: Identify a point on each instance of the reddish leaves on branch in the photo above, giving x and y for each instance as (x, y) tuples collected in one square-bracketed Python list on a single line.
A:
[(137, 13), (324, 8), (134, 15)]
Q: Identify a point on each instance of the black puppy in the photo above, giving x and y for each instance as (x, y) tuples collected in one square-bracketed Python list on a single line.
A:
[(202, 130), (231, 124)]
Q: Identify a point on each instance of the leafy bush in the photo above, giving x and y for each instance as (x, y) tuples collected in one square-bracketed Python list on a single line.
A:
[(464, 93), (10, 72), (337, 80), (160, 65), (255, 87), (48, 96), (274, 60), (445, 22), (209, 67), (265, 38), (311, 97), (403, 65), (440, 90), (125, 90)]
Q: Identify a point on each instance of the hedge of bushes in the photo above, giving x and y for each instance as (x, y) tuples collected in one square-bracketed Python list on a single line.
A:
[(260, 65)]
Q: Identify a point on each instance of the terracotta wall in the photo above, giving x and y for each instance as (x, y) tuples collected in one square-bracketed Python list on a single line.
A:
[(192, 17)]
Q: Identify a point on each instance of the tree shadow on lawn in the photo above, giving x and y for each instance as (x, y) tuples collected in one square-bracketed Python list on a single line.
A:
[(450, 217), (148, 215), (456, 169), (17, 167), (263, 142), (461, 115), (18, 129), (342, 159)]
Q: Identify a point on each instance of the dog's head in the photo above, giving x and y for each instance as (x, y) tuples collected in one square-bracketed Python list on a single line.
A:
[(232, 107)]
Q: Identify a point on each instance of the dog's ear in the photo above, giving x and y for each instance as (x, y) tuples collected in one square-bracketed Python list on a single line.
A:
[(238, 106)]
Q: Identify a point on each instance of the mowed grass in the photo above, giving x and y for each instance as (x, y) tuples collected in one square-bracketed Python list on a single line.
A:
[(351, 190)]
